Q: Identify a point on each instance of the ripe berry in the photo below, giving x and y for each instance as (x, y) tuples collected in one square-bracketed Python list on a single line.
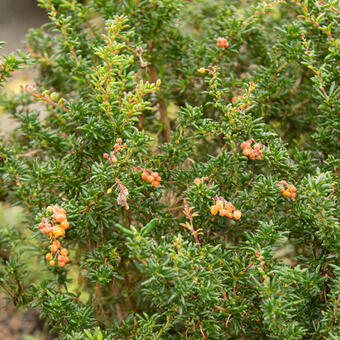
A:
[(58, 231), (64, 252), (106, 155), (214, 209), (246, 152), (197, 181), (64, 224), (229, 214), (286, 193), (222, 42), (145, 175), (48, 256), (61, 264), (237, 214), (244, 145), (53, 248), (57, 243), (220, 204), (60, 217), (257, 146), (223, 212), (52, 263), (155, 184)]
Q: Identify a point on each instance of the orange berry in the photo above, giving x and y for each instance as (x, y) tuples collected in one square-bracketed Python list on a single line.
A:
[(64, 252), (293, 195), (145, 175), (53, 248), (59, 217), (155, 184), (229, 214), (64, 224), (252, 154), (52, 263), (286, 193), (48, 256), (57, 243), (222, 42), (58, 231), (244, 145), (197, 181), (65, 259), (220, 204), (214, 209), (149, 178), (237, 214), (119, 140), (246, 152), (61, 264), (257, 147), (223, 212), (106, 155)]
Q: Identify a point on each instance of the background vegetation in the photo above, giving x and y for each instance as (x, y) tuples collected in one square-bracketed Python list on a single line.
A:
[(144, 106)]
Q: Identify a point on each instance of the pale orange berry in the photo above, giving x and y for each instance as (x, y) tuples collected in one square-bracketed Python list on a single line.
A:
[(244, 145), (58, 231), (214, 209), (57, 243), (53, 248), (48, 256), (286, 193), (220, 204), (237, 214), (293, 194), (223, 212), (246, 152), (60, 217), (64, 224), (229, 214), (197, 181), (119, 140), (61, 264), (222, 42), (252, 154), (64, 252), (52, 263), (145, 175), (155, 184), (257, 147)]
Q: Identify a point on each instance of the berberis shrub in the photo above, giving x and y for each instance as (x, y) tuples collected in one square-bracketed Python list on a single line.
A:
[(178, 167)]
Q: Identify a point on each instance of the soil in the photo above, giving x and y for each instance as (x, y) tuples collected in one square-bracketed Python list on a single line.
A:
[(20, 325)]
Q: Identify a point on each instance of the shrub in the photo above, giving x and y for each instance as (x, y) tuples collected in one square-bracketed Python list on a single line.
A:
[(186, 154)]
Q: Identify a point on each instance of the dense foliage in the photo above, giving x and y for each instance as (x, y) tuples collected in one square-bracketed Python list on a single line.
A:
[(194, 147)]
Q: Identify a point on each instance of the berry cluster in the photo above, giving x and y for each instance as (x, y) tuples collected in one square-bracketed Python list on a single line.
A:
[(54, 226), (199, 181), (287, 190), (224, 208), (222, 42), (150, 176), (252, 151), (117, 147)]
